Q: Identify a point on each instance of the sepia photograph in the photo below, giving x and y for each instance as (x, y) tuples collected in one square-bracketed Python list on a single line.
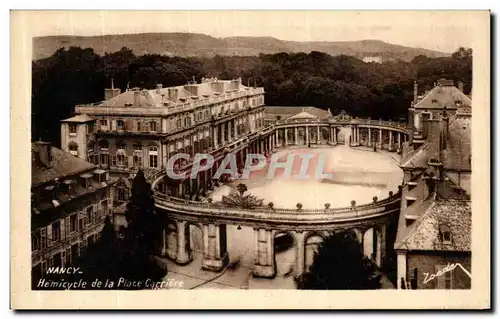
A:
[(176, 151)]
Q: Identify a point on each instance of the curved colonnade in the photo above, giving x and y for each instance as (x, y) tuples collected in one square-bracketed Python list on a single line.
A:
[(268, 222)]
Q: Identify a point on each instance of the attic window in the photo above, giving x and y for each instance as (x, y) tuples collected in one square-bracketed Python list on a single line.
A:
[(445, 233), (458, 103), (434, 101)]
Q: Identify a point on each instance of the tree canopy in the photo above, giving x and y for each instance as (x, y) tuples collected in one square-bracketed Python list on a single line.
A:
[(340, 263), (377, 90)]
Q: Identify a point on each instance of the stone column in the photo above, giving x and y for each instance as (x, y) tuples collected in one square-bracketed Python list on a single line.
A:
[(317, 135), (380, 139), (381, 245), (299, 254), (358, 142), (223, 134), (215, 256), (369, 137), (264, 254), (164, 240), (307, 135), (286, 137), (229, 130), (334, 135), (235, 127), (399, 140), (183, 250), (296, 135), (391, 147), (276, 136), (215, 136)]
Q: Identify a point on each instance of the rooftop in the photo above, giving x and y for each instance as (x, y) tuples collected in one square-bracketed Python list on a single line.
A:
[(425, 233), (49, 163), (81, 118), (169, 96), (444, 95)]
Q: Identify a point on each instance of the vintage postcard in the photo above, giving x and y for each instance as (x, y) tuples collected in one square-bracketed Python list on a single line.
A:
[(250, 160)]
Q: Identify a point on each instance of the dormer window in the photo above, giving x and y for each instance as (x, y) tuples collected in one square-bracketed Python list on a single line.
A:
[(434, 101), (70, 186), (86, 180), (100, 176), (445, 234)]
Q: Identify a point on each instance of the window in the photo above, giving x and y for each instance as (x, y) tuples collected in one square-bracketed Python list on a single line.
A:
[(104, 207), (72, 129), (137, 161), (137, 147), (121, 146), (120, 160), (104, 145), (89, 214), (73, 149), (152, 126), (138, 126), (36, 240), (445, 280), (113, 160), (445, 233), (153, 157), (90, 128), (56, 231), (73, 223), (120, 125), (448, 280), (104, 122), (104, 159), (179, 122), (121, 194)]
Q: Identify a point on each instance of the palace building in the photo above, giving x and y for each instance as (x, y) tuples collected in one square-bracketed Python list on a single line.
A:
[(141, 129), (434, 230), (70, 199)]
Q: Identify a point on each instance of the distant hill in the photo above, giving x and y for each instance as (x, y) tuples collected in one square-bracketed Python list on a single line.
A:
[(193, 44)]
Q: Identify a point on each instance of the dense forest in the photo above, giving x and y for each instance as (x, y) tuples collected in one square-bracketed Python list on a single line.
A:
[(377, 90)]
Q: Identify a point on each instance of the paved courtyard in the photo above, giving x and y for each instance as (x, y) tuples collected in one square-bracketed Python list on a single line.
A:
[(357, 174)]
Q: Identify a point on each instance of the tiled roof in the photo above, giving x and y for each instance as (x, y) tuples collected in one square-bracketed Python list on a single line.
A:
[(424, 234), (61, 164), (292, 111), (81, 118), (443, 96), (416, 159)]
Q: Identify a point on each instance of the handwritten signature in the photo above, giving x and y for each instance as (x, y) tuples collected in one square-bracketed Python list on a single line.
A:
[(446, 269)]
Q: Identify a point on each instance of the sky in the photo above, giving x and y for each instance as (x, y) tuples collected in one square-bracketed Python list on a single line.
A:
[(441, 31)]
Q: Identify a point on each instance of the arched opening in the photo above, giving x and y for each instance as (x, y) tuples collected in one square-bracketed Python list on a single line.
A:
[(369, 243), (194, 242), (171, 239), (311, 243), (285, 254)]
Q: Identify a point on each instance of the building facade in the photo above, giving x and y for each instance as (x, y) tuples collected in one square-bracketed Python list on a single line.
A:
[(141, 129), (70, 199), (434, 228)]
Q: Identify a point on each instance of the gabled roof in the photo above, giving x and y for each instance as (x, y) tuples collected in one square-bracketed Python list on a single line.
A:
[(424, 234), (81, 118), (443, 95)]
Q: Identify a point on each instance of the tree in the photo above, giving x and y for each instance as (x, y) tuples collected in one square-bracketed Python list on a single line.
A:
[(340, 263), (143, 228)]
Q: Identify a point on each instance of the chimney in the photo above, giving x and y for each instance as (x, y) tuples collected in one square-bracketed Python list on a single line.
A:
[(173, 94), (434, 138), (425, 125), (137, 98), (112, 92), (415, 92), (44, 151), (159, 86), (461, 86), (444, 131)]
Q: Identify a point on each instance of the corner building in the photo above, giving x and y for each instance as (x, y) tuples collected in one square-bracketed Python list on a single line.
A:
[(70, 199), (142, 129)]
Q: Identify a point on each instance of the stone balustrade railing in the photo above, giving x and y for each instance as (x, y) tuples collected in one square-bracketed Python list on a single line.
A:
[(278, 214), (358, 121)]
